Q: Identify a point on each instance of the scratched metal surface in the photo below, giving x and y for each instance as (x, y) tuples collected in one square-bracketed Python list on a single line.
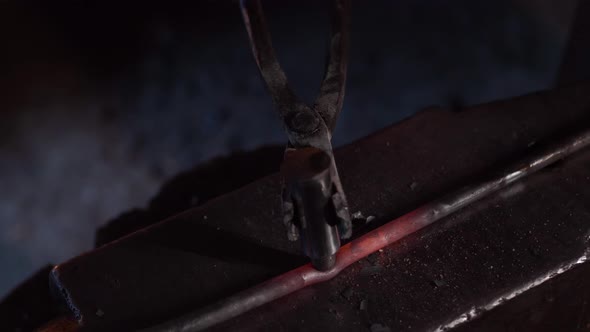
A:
[(469, 263), (559, 304), (426, 280)]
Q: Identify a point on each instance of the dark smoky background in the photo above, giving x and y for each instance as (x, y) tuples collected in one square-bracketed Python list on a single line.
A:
[(101, 102)]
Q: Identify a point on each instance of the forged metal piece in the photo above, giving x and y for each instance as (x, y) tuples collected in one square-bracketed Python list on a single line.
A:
[(377, 239), (308, 127)]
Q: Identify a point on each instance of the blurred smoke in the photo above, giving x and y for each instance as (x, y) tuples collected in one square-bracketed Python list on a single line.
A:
[(103, 102)]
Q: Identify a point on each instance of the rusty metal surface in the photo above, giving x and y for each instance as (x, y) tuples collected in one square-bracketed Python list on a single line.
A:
[(386, 175)]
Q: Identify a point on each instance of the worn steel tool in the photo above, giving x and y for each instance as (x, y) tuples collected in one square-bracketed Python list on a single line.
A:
[(314, 205)]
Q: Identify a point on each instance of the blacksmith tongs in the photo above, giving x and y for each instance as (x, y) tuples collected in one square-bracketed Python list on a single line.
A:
[(314, 205)]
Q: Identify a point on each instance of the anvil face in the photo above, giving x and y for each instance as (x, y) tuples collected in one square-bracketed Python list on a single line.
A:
[(488, 260)]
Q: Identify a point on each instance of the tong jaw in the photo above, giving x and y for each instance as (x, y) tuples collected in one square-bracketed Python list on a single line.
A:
[(314, 204)]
